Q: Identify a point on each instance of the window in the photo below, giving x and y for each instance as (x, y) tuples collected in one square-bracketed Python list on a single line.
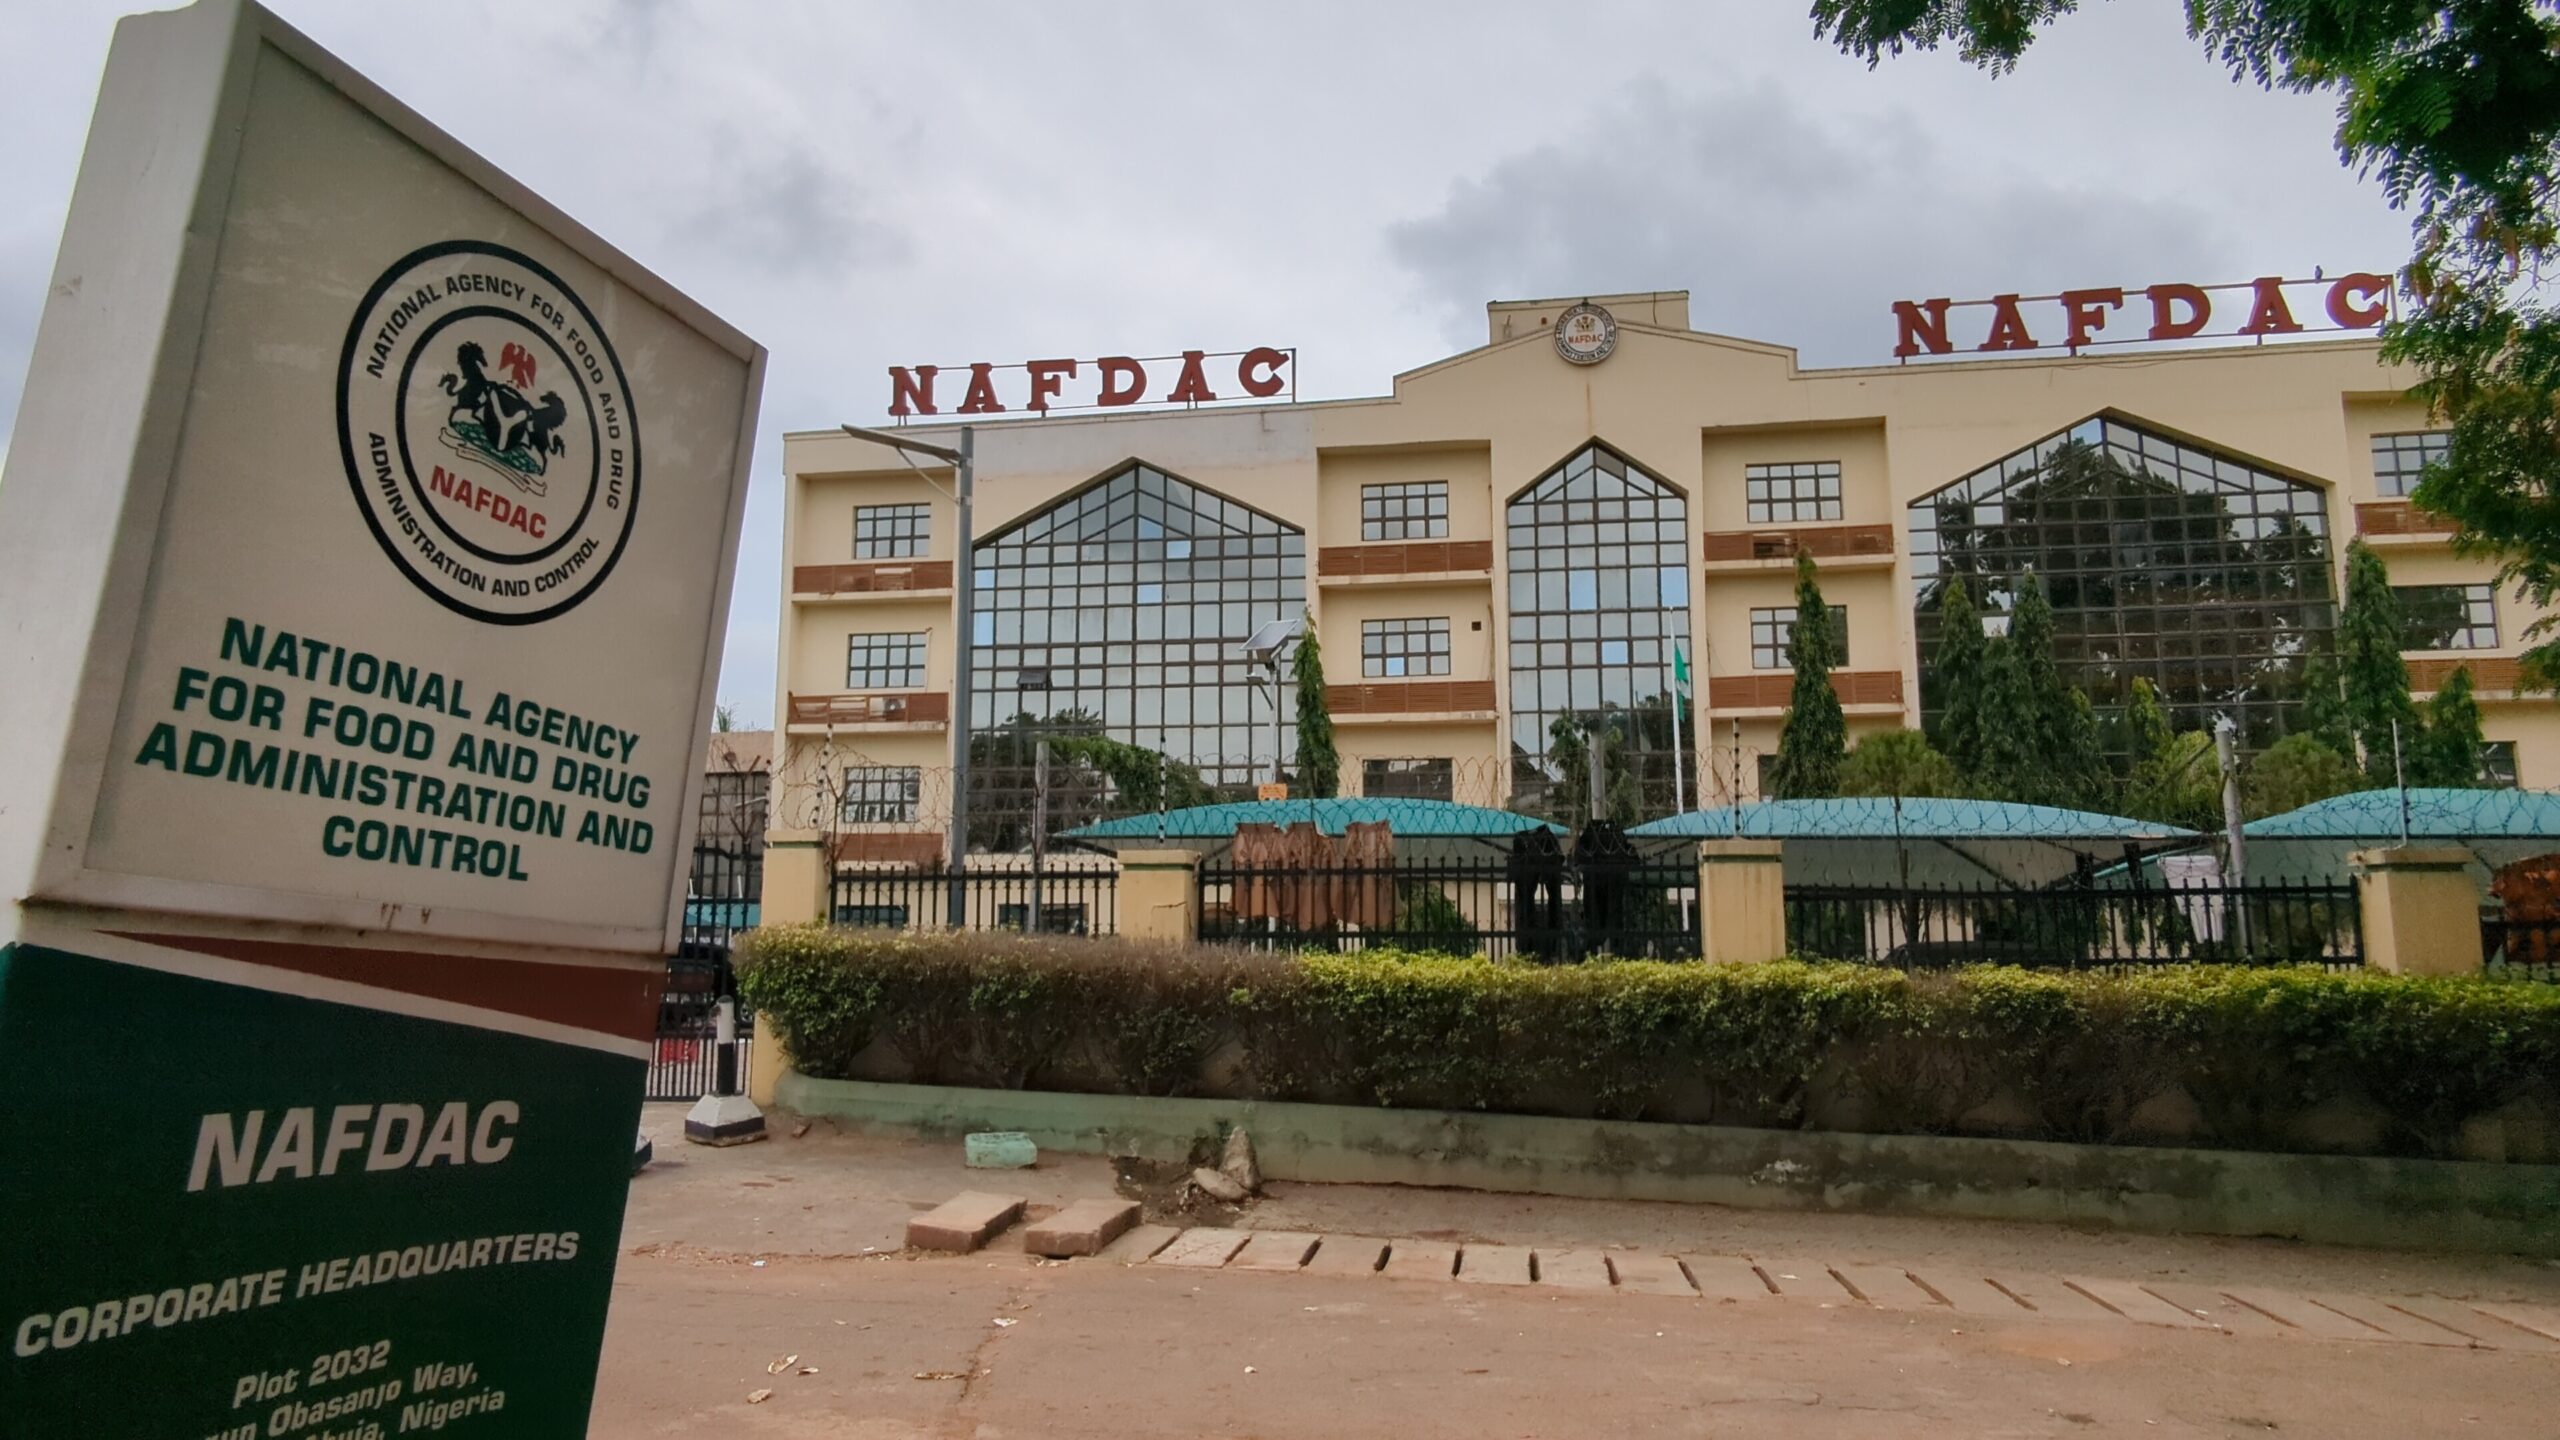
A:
[(2398, 460), (884, 662), (2164, 560), (1791, 494), (1130, 601), (891, 532), (2498, 764), (1772, 629), (1397, 648), (2447, 617), (1054, 919), (872, 917), (1405, 510), (1408, 778), (881, 794), (1599, 591)]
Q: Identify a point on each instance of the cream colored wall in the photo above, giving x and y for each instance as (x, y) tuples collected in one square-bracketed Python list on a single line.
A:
[(1876, 621), (2366, 418), (1341, 474), (1474, 750), (1473, 653), (2533, 724), (818, 650), (823, 533), (1865, 496)]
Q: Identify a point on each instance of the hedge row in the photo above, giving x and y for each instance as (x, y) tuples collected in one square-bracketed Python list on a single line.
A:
[(2259, 1053)]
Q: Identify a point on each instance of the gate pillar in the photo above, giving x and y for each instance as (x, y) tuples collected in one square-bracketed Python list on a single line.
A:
[(2421, 909), (1742, 900), (799, 878), (1160, 895)]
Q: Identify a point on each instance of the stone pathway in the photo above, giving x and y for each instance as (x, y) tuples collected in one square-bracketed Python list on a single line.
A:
[(2024, 1297)]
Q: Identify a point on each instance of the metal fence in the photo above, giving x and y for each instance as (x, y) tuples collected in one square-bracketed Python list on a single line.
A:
[(1051, 901), (2521, 949), (2078, 928), (1545, 908), (684, 1061)]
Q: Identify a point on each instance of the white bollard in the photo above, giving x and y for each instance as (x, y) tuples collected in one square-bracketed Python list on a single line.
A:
[(724, 1116)]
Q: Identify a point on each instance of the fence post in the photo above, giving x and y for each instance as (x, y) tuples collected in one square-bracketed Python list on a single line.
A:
[(2421, 909), (1742, 900), (799, 879), (1160, 895), (766, 1060)]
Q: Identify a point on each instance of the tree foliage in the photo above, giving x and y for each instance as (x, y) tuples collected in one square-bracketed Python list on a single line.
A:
[(1319, 764), (1898, 763), (2293, 772), (1958, 677), (1816, 736), (2373, 679), (2452, 753), (2455, 106), (2173, 775)]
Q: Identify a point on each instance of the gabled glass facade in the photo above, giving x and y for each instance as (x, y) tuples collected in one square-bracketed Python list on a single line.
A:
[(1125, 607), (1599, 575), (2163, 559)]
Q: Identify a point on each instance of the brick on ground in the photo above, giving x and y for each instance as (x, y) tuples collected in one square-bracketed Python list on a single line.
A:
[(1421, 1260), (1643, 1274), (1347, 1255), (1727, 1277), (1140, 1244), (1494, 1265), (1276, 1250), (2131, 1301), (1083, 1228), (964, 1222), (1572, 1269), (1205, 1248)]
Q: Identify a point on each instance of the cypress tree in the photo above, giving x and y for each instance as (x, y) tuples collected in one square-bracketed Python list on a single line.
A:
[(2373, 679), (2452, 750), (2061, 726), (1955, 726), (2009, 766), (1815, 739), (1319, 764)]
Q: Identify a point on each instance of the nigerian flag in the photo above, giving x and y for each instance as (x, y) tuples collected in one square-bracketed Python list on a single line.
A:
[(1680, 668)]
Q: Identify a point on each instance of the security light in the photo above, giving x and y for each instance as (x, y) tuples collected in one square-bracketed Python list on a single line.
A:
[(1274, 641)]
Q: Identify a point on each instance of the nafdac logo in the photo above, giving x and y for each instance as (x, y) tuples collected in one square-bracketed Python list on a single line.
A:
[(488, 432)]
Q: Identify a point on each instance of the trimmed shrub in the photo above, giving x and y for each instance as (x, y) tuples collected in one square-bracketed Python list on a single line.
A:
[(1790, 1044)]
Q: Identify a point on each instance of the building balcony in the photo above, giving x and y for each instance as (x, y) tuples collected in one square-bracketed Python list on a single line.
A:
[(871, 580), (1838, 547), (1862, 692), (908, 710), (2494, 677), (1408, 562), (2396, 523), (1411, 702)]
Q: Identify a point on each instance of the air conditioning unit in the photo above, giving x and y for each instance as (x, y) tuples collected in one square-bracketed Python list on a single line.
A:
[(893, 707)]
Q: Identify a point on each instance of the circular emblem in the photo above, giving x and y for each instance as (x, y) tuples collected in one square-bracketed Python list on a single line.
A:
[(488, 432), (1586, 334)]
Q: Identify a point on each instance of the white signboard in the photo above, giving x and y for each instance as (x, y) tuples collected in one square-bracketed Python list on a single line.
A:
[(398, 605)]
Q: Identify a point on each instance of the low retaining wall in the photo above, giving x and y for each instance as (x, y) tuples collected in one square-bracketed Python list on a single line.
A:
[(2414, 1204)]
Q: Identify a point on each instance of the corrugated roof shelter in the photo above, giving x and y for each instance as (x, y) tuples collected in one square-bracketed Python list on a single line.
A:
[(2313, 843), (1440, 824), (1879, 840)]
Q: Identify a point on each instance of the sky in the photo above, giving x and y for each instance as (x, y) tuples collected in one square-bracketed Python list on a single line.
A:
[(859, 186)]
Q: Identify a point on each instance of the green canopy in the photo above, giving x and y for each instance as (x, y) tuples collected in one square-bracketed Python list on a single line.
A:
[(1211, 827), (2313, 843), (1879, 840)]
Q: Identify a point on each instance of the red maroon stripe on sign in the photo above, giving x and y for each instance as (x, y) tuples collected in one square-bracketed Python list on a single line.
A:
[(621, 1003)]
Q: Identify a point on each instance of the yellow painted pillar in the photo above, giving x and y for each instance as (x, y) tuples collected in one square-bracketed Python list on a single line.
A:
[(798, 880), (1160, 895), (766, 1060), (1742, 900), (2421, 909)]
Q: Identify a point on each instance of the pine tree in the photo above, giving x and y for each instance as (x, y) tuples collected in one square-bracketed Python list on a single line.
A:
[(2324, 705), (2061, 726), (2373, 679), (1957, 670), (2451, 753), (2009, 766), (1815, 738), (1319, 765)]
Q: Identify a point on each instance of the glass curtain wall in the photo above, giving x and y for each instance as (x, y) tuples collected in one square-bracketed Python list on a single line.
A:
[(2194, 568), (1599, 554)]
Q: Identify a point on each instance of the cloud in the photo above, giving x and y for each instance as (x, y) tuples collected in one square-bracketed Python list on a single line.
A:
[(1786, 225), (788, 215)]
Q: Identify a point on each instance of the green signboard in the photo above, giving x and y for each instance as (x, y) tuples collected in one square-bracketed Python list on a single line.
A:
[(235, 1212)]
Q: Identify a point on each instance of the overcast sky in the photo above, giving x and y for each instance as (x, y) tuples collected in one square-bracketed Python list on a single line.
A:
[(864, 185)]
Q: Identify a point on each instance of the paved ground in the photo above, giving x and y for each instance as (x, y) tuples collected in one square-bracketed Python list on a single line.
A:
[(1621, 1318)]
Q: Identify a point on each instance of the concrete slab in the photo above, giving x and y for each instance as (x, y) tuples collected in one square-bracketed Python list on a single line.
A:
[(1350, 1256), (2134, 1303), (2049, 1297), (1572, 1269), (1139, 1245), (2485, 1331), (1886, 1287), (1284, 1250), (1083, 1228), (2542, 1320), (1205, 1248), (1801, 1279), (2302, 1315), (1494, 1265), (1640, 1273), (1972, 1295), (2226, 1313), (1421, 1260), (964, 1222), (1726, 1277), (2398, 1324)]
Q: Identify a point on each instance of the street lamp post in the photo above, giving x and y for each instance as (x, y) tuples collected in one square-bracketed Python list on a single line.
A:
[(964, 592)]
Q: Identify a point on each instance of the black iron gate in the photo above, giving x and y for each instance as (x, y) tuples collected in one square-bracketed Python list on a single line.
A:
[(721, 900)]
